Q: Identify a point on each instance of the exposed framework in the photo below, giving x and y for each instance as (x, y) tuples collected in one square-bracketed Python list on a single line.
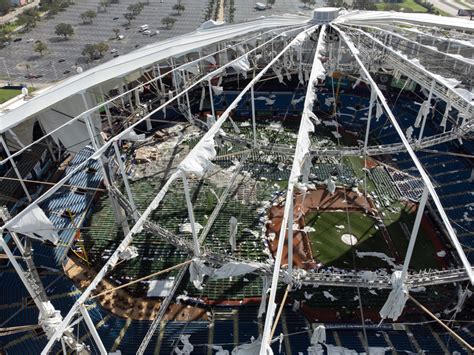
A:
[(273, 41)]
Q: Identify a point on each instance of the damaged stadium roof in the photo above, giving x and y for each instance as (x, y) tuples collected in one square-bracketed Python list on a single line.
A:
[(254, 112)]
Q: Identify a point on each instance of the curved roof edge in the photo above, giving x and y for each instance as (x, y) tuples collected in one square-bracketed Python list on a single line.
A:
[(142, 57), (367, 17)]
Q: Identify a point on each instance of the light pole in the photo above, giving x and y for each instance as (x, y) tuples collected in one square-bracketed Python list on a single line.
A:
[(54, 70), (6, 69)]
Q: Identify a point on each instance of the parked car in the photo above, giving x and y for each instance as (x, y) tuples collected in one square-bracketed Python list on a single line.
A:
[(113, 50), (30, 40), (147, 32), (17, 39), (116, 18), (61, 60), (116, 55)]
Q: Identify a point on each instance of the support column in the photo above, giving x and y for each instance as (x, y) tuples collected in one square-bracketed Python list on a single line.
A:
[(93, 330), (119, 213), (414, 232), (15, 168), (175, 80), (122, 101), (125, 180), (366, 139), (187, 100), (49, 145), (190, 214), (129, 98), (107, 111), (338, 53), (21, 273), (430, 96), (201, 62), (137, 96), (254, 127), (162, 87), (290, 237), (211, 100)]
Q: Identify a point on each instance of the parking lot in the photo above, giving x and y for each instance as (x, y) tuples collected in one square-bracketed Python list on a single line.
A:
[(245, 9), (64, 56)]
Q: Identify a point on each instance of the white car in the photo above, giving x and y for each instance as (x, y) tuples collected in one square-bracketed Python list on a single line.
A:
[(113, 50), (147, 32), (31, 40)]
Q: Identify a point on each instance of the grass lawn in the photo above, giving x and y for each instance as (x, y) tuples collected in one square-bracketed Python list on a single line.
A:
[(406, 4), (7, 94)]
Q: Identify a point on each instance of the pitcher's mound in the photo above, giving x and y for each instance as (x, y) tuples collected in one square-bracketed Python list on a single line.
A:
[(349, 239)]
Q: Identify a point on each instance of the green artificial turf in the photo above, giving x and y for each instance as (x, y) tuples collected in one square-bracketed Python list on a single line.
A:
[(329, 249), (424, 252), (7, 94)]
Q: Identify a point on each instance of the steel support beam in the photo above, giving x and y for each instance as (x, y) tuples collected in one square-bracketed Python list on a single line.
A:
[(419, 166)]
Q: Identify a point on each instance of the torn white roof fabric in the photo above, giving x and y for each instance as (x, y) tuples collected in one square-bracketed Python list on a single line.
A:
[(35, 224), (187, 348), (130, 252), (319, 335), (248, 349), (397, 298), (315, 349), (233, 233), (132, 136), (266, 281), (198, 161), (241, 66), (217, 90), (198, 270)]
